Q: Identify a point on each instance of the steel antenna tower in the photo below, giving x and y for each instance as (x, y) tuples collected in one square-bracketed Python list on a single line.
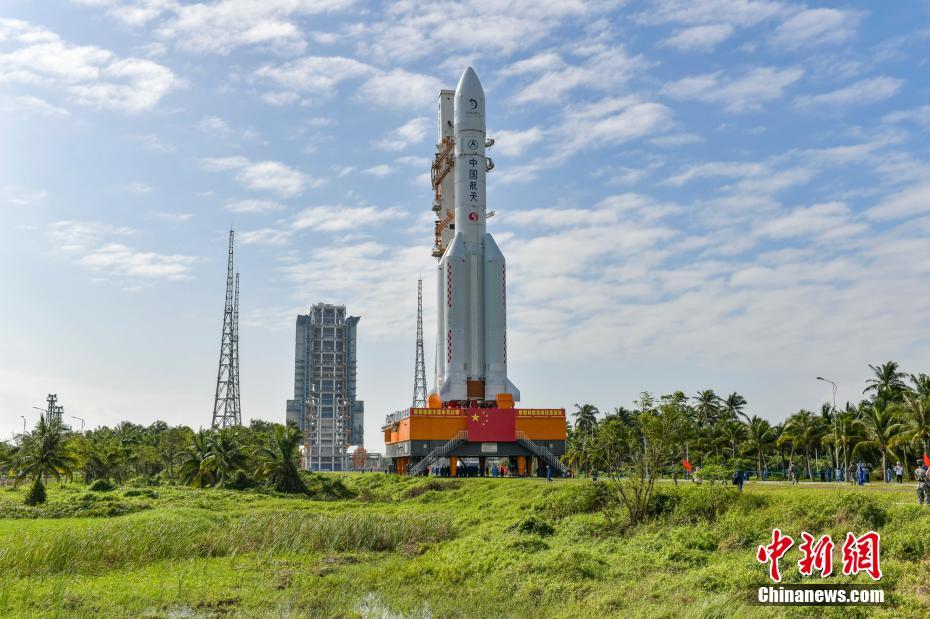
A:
[(237, 404), (225, 403), (419, 378)]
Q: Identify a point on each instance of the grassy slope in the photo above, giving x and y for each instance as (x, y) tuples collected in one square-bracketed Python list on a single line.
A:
[(443, 552)]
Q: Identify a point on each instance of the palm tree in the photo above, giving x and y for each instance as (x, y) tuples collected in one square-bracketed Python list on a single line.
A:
[(621, 414), (585, 418), (921, 384), (804, 429), (888, 381), (846, 430), (881, 428), (915, 412), (760, 436), (195, 469), (279, 459), (733, 407), (706, 407), (44, 452), (225, 455), (731, 433)]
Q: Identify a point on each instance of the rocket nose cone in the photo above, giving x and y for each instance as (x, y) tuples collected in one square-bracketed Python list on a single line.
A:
[(469, 83)]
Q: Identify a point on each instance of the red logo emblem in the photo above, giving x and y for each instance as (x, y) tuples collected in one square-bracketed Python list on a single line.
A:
[(473, 217)]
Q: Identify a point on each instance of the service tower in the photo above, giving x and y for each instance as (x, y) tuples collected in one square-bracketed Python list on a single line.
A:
[(471, 411)]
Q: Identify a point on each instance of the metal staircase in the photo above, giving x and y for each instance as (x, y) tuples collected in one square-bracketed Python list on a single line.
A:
[(439, 452), (542, 452)]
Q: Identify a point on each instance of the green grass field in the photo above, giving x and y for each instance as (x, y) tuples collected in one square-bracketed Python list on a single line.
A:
[(437, 548)]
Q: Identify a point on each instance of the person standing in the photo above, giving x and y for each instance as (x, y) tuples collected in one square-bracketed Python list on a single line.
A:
[(920, 474), (899, 472), (548, 473)]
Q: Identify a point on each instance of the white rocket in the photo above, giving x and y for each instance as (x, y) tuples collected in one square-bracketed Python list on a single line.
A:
[(471, 351)]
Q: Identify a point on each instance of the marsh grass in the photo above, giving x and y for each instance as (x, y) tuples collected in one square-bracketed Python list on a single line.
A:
[(420, 547)]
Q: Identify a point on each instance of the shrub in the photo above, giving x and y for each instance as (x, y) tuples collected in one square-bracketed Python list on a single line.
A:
[(239, 481), (863, 509), (36, 494), (141, 492), (532, 526), (325, 488), (703, 503), (101, 485), (433, 484)]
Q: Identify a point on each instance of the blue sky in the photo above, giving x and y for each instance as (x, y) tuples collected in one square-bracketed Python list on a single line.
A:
[(690, 194)]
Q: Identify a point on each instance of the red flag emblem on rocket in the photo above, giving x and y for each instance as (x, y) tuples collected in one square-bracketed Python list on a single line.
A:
[(491, 425)]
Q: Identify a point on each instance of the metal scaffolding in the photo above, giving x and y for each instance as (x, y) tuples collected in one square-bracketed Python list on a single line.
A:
[(226, 408)]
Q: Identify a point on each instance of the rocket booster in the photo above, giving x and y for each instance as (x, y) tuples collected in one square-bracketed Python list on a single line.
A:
[(472, 323)]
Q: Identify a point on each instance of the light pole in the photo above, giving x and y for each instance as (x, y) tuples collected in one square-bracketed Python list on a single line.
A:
[(24, 424), (82, 422), (836, 447), (827, 380)]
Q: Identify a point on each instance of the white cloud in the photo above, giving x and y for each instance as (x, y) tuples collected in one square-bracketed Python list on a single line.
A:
[(610, 121), (514, 143), (220, 26), (95, 246), (381, 170), (742, 94), (411, 132), (176, 217), (862, 92), (214, 124), (139, 188), (21, 196), (118, 259), (699, 38), (540, 63), (253, 206), (816, 27), (313, 77), (410, 30), (826, 221), (89, 75), (919, 116), (266, 236), (912, 201), (603, 68), (677, 139), (340, 218), (736, 12), (271, 176), (32, 105), (718, 169), (400, 89)]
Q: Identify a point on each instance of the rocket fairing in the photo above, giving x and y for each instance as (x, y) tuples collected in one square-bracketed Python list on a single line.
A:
[(471, 344)]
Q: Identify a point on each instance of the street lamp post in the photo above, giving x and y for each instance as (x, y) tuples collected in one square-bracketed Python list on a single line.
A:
[(24, 424), (827, 380), (836, 447), (82, 422)]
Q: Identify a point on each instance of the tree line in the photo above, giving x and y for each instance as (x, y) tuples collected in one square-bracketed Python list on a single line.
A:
[(260, 454), (890, 423)]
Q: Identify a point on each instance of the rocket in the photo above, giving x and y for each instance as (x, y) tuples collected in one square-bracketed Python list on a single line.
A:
[(471, 343)]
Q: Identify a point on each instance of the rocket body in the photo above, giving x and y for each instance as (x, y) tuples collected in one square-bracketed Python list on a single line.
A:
[(472, 324)]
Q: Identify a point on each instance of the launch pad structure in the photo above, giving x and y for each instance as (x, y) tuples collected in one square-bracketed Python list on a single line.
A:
[(471, 412)]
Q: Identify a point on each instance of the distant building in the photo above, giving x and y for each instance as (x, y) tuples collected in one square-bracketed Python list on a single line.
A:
[(324, 404)]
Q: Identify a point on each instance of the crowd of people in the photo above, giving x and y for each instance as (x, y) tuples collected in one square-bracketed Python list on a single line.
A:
[(858, 474)]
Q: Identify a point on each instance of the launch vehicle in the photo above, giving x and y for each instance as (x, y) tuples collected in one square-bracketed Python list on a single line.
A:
[(471, 411)]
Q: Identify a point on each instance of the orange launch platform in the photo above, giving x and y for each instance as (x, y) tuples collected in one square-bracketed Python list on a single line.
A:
[(530, 438)]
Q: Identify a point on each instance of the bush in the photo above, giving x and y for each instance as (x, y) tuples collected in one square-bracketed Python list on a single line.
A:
[(240, 481), (532, 526), (36, 494), (101, 485), (141, 492), (325, 488)]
